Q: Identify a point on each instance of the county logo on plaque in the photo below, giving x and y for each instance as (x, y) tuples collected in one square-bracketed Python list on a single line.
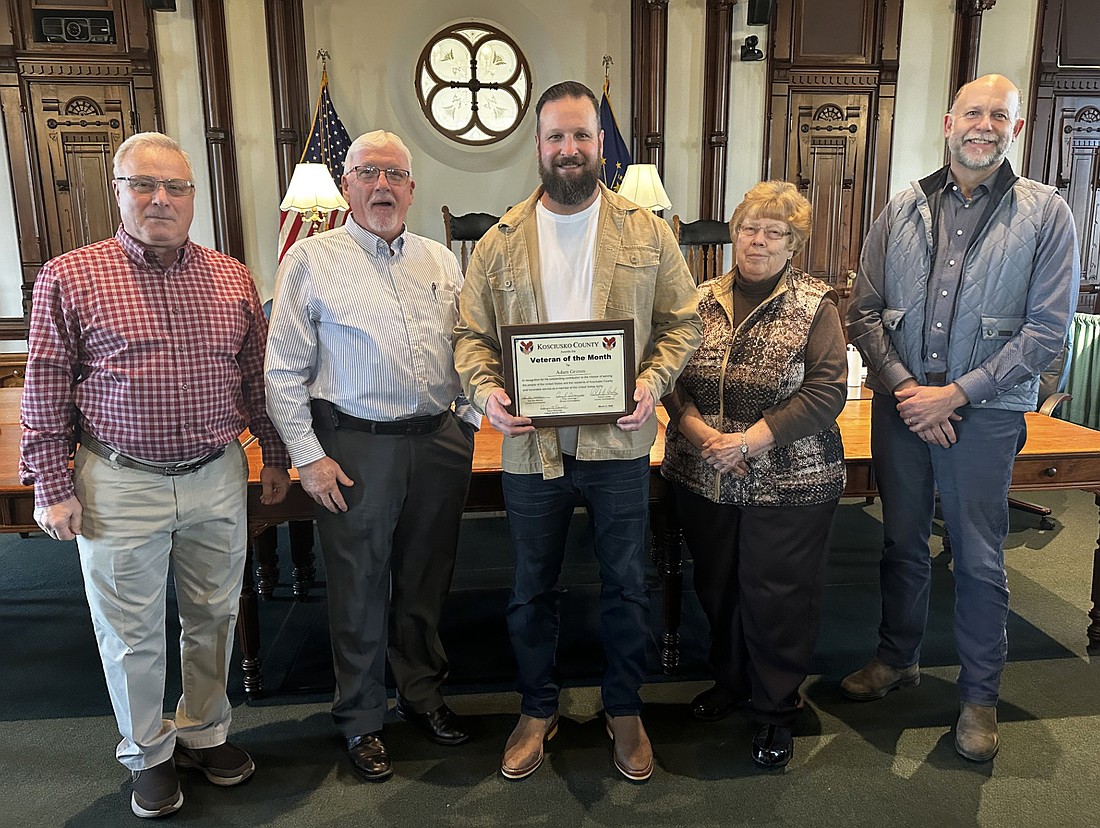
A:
[(570, 373)]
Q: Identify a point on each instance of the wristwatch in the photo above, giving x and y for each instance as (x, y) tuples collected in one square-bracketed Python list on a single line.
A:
[(744, 447)]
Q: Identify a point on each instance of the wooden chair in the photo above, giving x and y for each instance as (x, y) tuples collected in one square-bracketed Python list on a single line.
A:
[(466, 230), (703, 243)]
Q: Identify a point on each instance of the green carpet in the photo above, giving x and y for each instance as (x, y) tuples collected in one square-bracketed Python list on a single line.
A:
[(886, 763)]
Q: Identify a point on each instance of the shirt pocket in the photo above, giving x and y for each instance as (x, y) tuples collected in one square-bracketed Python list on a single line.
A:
[(446, 310), (633, 282), (501, 281)]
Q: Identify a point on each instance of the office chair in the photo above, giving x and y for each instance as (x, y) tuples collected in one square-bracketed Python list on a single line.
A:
[(466, 229), (702, 243)]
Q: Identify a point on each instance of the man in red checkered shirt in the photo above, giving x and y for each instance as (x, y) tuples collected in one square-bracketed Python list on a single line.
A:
[(148, 350)]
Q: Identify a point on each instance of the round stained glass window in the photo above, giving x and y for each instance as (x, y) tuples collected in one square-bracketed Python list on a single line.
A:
[(473, 83)]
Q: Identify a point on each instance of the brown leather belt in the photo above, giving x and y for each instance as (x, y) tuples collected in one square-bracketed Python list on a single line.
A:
[(164, 469), (935, 378)]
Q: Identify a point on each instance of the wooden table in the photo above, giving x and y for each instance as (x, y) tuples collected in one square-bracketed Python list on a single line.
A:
[(1058, 455)]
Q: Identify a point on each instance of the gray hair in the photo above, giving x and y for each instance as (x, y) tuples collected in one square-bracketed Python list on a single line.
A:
[(150, 140), (377, 139)]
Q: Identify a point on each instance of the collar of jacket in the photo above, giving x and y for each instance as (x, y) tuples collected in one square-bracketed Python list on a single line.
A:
[(999, 184), (524, 210)]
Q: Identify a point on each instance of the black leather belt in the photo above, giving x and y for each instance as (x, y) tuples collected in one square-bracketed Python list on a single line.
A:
[(413, 427), (935, 378), (164, 469)]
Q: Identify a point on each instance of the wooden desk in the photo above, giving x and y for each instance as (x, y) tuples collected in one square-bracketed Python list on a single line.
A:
[(1058, 455)]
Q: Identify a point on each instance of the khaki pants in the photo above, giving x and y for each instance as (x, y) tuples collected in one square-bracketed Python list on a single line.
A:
[(135, 524)]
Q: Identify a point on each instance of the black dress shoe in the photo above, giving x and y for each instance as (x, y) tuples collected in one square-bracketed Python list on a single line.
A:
[(714, 703), (772, 746), (441, 725), (369, 757)]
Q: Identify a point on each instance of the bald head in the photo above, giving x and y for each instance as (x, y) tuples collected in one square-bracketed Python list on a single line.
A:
[(991, 84), (983, 122)]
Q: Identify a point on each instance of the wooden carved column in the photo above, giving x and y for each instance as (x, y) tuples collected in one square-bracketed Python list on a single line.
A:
[(218, 118), (649, 55), (286, 56), (968, 35), (717, 54)]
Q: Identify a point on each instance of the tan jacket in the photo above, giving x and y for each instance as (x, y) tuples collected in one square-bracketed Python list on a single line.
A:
[(639, 273)]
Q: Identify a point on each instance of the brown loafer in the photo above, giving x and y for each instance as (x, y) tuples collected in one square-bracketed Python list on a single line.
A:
[(525, 748), (877, 679), (976, 732), (631, 750)]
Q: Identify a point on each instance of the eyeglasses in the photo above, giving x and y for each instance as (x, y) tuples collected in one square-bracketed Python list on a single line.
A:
[(368, 174), (749, 231), (146, 184)]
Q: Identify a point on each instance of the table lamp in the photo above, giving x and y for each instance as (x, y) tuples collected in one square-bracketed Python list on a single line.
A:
[(313, 193), (642, 185)]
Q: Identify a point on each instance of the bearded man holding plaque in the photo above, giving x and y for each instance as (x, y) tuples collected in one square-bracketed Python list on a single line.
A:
[(576, 252)]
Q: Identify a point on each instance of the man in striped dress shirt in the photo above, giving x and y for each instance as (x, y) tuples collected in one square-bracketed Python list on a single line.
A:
[(148, 348), (361, 384)]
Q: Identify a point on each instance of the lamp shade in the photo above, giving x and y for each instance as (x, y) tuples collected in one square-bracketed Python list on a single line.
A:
[(643, 186), (312, 188)]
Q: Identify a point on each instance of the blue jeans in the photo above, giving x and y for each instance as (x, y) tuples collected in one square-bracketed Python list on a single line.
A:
[(539, 511), (972, 478)]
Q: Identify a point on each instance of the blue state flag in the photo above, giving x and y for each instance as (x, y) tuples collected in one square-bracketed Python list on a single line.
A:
[(616, 155)]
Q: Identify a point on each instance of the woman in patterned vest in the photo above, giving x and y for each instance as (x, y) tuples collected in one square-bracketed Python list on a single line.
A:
[(754, 454)]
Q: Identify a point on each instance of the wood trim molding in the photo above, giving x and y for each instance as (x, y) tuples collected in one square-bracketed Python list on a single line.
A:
[(649, 56), (717, 57), (213, 54), (967, 39), (286, 56)]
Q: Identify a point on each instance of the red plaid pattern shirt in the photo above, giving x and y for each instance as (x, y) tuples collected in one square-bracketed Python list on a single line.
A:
[(161, 364)]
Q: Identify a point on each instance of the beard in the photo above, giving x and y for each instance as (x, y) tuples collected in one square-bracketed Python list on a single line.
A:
[(999, 148), (381, 223), (570, 189)]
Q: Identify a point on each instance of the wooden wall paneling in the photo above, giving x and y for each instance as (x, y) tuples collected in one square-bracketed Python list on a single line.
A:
[(286, 55), (830, 119), (1063, 144), (837, 33), (77, 128), (8, 22), (98, 94), (717, 54), (649, 54), (1078, 175), (218, 117), (829, 145)]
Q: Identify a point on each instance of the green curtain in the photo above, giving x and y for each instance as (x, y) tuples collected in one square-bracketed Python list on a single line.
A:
[(1084, 373)]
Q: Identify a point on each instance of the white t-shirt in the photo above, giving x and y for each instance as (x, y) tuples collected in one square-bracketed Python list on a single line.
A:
[(567, 262)]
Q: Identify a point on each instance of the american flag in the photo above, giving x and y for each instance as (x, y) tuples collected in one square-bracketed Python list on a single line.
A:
[(328, 144)]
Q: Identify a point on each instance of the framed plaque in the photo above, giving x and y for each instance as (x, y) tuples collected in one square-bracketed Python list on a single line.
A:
[(570, 373)]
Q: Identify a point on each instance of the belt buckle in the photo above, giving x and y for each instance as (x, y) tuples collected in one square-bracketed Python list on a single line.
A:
[(179, 470)]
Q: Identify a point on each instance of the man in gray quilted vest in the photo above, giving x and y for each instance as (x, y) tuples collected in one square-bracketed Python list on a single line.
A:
[(966, 287)]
